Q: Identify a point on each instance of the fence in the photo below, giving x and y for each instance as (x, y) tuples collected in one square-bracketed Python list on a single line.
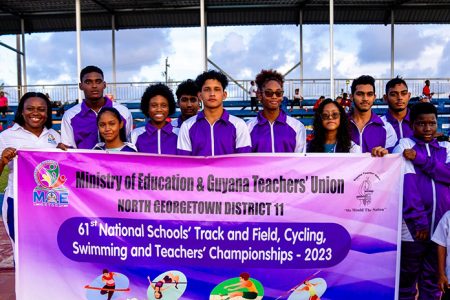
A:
[(312, 89)]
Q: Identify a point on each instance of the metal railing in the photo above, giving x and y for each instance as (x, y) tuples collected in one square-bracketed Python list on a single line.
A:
[(312, 89)]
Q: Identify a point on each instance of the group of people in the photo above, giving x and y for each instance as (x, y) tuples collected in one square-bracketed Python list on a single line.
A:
[(100, 123)]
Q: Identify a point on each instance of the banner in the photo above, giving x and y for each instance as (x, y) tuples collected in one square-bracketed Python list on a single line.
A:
[(93, 225)]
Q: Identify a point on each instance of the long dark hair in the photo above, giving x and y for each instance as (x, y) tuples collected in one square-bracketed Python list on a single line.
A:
[(343, 142), (116, 113), (18, 117)]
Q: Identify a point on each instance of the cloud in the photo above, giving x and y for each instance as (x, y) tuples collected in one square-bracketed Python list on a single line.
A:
[(241, 54)]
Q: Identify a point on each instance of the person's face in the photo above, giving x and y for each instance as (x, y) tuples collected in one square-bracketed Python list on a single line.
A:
[(272, 95), (330, 117), (158, 109), (425, 127), (93, 86), (363, 97), (189, 105), (34, 113), (109, 127), (398, 97), (212, 94)]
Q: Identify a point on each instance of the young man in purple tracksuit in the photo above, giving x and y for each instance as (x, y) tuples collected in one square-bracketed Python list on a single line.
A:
[(397, 97), (213, 131), (272, 130), (426, 198), (187, 100), (367, 129), (79, 124)]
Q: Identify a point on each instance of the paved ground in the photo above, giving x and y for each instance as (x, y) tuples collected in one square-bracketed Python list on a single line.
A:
[(6, 267)]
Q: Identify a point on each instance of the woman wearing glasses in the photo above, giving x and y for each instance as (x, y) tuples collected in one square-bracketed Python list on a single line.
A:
[(272, 130), (331, 130)]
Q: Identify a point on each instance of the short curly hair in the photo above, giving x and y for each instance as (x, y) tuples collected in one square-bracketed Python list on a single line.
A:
[(187, 87), (211, 74), (155, 90), (268, 75)]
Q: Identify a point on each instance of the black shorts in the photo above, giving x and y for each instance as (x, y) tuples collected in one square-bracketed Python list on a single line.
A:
[(3, 109), (249, 295)]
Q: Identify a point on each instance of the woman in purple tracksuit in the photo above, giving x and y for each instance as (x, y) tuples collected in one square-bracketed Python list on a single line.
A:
[(426, 198)]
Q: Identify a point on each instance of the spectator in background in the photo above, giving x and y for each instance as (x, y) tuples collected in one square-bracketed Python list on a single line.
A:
[(298, 99), (187, 100), (426, 93), (346, 102), (316, 105), (253, 99), (3, 104)]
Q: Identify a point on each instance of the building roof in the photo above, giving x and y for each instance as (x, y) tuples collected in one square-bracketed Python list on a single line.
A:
[(59, 15)]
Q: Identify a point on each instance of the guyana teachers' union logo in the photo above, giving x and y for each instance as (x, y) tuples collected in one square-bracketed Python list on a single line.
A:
[(50, 190)]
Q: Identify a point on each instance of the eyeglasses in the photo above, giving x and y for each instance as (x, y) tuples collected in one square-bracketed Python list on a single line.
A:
[(332, 116), (269, 93), (190, 99)]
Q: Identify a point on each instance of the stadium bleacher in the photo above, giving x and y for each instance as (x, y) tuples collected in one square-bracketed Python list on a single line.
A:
[(241, 109)]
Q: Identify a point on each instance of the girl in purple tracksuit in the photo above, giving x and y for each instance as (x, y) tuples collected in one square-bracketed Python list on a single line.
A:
[(158, 135), (112, 131), (426, 198), (272, 130)]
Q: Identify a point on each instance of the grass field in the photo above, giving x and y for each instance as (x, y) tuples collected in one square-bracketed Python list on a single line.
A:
[(4, 179)]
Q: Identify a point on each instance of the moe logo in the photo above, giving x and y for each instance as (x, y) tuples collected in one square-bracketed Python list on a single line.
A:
[(50, 190)]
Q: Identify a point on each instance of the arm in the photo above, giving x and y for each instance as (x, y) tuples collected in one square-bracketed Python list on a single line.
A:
[(184, 145), (414, 212), (233, 286), (7, 155), (129, 125), (243, 139), (442, 277), (300, 145), (434, 168), (391, 137), (67, 137)]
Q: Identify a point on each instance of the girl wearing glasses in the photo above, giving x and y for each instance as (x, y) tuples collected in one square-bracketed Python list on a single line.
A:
[(331, 130), (272, 130), (158, 135)]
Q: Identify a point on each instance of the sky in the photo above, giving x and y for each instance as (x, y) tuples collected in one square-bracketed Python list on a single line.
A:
[(421, 51)]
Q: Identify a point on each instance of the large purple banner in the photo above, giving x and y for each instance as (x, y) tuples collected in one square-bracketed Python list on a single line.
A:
[(93, 225)]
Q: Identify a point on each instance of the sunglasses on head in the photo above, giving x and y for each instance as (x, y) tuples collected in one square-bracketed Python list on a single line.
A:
[(332, 116), (269, 93), (191, 99)]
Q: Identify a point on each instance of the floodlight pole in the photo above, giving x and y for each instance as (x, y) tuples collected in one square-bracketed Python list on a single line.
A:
[(78, 33), (113, 37), (392, 43), (19, 68), (331, 50), (301, 52), (24, 60), (204, 35)]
